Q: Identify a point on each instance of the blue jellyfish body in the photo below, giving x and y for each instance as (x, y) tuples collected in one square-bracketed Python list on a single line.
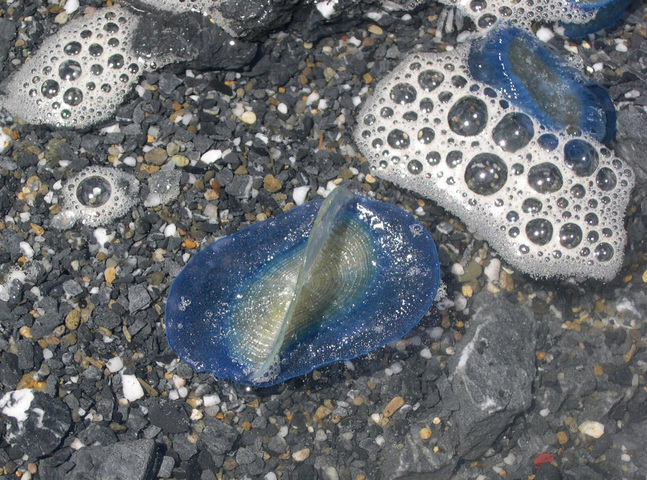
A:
[(537, 80), (324, 282), (608, 13)]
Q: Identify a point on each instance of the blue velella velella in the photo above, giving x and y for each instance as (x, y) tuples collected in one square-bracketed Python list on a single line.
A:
[(607, 12), (324, 282), (538, 81)]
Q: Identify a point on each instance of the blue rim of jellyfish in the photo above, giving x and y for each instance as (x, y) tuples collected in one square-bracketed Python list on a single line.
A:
[(492, 62), (608, 13), (205, 293)]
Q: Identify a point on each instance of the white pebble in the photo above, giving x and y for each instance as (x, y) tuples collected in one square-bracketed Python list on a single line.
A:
[(47, 354), (510, 459), (436, 332), (248, 117), (621, 45), (330, 473), (5, 141), (102, 236), (270, 476), (132, 389), (545, 34), (299, 194), (461, 302), (380, 440), (457, 269), (592, 428), (625, 457), (312, 98), (282, 108), (211, 156), (115, 364), (130, 161), (76, 444), (425, 353), (493, 269), (211, 400), (170, 230), (26, 249)]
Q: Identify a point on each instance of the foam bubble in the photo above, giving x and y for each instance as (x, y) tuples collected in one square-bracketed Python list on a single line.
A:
[(486, 13), (549, 202), (96, 196), (80, 75)]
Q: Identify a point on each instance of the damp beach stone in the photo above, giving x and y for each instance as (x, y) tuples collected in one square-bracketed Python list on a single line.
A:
[(324, 282), (550, 202), (36, 422)]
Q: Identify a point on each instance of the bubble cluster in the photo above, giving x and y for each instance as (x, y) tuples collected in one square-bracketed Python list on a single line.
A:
[(551, 203), (486, 13), (96, 196), (79, 76), (177, 6)]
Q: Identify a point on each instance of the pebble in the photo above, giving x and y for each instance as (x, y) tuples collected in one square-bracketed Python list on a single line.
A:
[(211, 156), (115, 364), (73, 319), (393, 406), (180, 160), (299, 194), (562, 437), (271, 183), (591, 428), (301, 455), (131, 388), (248, 117), (156, 156)]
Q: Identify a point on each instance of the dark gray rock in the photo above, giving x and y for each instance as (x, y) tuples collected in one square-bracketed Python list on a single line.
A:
[(135, 460), (10, 373), (106, 317), (138, 298), (7, 33), (193, 38), (171, 417), (490, 384), (632, 140), (36, 422), (219, 438), (492, 374), (97, 434)]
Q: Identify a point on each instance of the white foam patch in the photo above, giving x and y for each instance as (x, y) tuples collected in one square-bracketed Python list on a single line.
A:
[(432, 129), (485, 13), (80, 75), (98, 195)]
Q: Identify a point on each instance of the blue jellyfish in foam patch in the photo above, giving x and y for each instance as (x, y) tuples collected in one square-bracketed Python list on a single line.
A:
[(537, 80), (324, 282), (607, 12)]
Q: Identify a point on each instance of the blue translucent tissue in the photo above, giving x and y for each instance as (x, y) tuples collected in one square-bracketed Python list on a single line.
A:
[(608, 13), (538, 81), (324, 282)]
